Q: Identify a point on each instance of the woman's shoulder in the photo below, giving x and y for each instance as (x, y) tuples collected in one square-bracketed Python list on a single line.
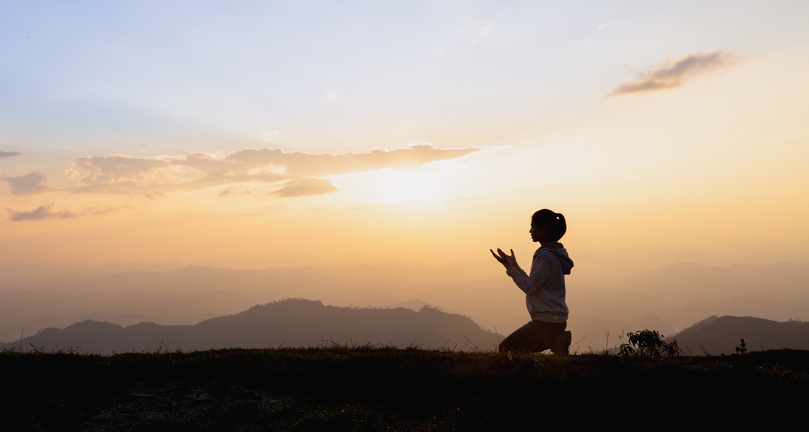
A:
[(550, 247), (548, 250)]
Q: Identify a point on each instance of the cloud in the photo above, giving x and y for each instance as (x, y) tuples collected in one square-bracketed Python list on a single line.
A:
[(234, 190), (306, 186), (41, 212), (94, 211), (5, 154), (131, 175), (673, 73), (47, 212), (29, 184)]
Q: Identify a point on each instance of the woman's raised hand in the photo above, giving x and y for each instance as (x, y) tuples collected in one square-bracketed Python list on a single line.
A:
[(503, 258), (500, 260)]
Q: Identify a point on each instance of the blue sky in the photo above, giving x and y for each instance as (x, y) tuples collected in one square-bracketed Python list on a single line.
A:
[(333, 76)]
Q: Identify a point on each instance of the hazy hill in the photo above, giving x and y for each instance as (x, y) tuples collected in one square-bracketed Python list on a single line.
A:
[(33, 310), (290, 323), (722, 335)]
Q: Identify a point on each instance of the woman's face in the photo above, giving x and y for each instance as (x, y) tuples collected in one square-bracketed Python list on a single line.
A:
[(539, 233)]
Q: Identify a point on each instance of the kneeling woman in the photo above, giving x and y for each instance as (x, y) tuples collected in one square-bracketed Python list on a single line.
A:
[(544, 288)]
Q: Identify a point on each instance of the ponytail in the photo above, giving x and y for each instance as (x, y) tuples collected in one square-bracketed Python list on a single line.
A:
[(561, 226)]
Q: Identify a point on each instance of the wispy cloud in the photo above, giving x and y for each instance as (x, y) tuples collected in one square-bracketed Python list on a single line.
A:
[(133, 175), (306, 186), (29, 184), (674, 73), (47, 212), (5, 154), (234, 191), (41, 212)]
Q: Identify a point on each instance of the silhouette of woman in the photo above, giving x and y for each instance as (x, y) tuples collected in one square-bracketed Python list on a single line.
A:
[(544, 288)]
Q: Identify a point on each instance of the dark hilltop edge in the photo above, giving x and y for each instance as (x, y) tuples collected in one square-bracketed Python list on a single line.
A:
[(366, 387), (287, 323)]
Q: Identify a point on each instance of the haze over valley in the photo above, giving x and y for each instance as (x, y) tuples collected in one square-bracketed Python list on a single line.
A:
[(667, 299)]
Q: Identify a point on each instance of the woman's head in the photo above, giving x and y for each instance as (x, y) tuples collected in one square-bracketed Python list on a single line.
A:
[(553, 223)]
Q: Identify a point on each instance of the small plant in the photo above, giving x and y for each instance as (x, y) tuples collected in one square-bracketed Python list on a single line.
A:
[(649, 343), (742, 348)]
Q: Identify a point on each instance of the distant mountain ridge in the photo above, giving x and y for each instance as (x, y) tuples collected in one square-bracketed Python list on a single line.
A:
[(721, 335), (289, 323), (673, 297)]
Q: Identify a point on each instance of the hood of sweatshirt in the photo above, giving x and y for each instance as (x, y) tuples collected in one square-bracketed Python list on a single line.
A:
[(559, 250)]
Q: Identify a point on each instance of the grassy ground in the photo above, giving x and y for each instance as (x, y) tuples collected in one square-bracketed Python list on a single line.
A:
[(368, 388)]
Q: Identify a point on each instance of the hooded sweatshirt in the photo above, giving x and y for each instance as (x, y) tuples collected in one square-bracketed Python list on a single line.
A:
[(544, 288)]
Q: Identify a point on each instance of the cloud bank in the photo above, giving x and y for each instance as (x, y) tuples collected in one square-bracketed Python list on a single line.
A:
[(5, 154), (674, 73), (302, 173)]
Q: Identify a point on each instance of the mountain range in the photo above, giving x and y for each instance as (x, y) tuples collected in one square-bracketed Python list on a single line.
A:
[(34, 297), (288, 323)]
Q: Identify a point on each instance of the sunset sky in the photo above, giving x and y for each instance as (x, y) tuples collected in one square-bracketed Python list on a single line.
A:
[(365, 132)]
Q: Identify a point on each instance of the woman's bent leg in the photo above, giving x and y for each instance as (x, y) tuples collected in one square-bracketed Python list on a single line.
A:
[(535, 336)]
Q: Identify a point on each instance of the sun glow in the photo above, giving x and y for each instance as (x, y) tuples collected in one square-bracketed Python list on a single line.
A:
[(405, 186)]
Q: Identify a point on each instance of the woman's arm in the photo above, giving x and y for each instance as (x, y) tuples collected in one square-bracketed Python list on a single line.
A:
[(540, 271)]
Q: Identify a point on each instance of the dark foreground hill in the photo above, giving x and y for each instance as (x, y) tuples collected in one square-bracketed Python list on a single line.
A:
[(722, 335), (288, 323), (365, 388)]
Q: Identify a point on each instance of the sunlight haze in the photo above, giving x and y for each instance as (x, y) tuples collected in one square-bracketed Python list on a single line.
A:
[(355, 133)]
